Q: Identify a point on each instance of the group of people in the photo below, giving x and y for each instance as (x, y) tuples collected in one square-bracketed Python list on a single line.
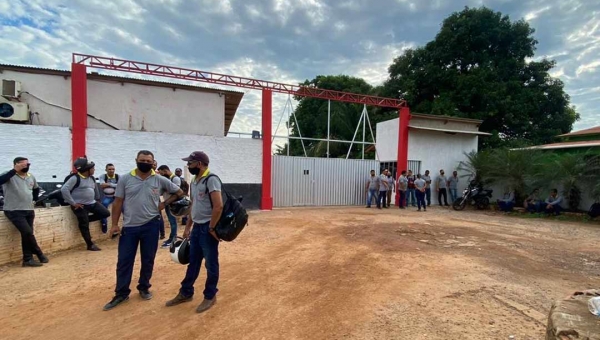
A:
[(533, 203), (414, 190), (137, 196)]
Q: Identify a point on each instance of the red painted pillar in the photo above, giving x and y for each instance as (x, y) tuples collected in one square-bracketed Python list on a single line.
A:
[(402, 145), (79, 109), (267, 106)]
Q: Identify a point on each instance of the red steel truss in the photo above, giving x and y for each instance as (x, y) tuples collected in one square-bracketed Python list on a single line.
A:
[(223, 79)]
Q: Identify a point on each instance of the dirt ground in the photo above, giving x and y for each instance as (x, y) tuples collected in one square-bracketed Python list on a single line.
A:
[(327, 273)]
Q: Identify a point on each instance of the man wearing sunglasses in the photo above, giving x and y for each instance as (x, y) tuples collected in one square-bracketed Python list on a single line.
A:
[(20, 191)]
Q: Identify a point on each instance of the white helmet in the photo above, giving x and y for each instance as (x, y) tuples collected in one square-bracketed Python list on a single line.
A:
[(180, 250)]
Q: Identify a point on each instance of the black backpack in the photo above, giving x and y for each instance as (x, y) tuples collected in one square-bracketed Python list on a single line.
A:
[(105, 179), (234, 216), (594, 210), (58, 195)]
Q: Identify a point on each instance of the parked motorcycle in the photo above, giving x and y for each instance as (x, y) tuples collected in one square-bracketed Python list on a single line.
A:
[(1, 199), (475, 195), (44, 197)]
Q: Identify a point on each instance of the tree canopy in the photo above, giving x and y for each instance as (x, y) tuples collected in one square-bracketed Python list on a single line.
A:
[(478, 66)]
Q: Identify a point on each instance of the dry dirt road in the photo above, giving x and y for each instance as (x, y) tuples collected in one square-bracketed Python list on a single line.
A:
[(328, 273)]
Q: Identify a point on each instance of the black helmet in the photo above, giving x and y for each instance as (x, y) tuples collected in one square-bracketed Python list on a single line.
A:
[(180, 208), (180, 251), (82, 164)]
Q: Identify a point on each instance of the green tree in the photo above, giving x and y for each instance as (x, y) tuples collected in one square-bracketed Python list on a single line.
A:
[(312, 119), (478, 67)]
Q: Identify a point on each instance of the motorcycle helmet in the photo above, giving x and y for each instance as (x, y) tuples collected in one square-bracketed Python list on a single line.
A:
[(180, 207), (180, 251), (82, 164)]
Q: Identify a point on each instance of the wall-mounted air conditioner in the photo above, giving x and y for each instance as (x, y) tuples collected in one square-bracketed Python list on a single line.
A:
[(13, 111), (10, 88)]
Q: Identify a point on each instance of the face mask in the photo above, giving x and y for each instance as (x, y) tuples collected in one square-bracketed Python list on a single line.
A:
[(194, 171), (25, 170), (144, 167), (167, 176)]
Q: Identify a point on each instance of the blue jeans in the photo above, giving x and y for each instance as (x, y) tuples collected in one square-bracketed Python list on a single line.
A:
[(453, 195), (555, 209), (420, 199), (506, 206), (534, 206), (410, 197), (381, 199), (173, 222), (147, 237), (372, 194), (106, 201), (202, 246)]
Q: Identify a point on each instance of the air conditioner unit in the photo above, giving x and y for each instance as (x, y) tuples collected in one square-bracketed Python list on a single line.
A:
[(11, 88), (13, 111)]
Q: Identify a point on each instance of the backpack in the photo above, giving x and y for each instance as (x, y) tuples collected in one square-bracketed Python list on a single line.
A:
[(58, 196), (105, 178), (185, 186), (594, 210), (234, 216)]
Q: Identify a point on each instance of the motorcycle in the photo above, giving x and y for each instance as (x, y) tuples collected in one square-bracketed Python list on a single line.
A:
[(44, 198), (1, 199), (475, 195)]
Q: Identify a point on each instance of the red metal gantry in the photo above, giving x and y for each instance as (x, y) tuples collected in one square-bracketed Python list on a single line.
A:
[(79, 104)]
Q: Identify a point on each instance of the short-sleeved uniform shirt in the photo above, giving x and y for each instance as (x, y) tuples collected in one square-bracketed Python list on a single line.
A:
[(176, 180), (382, 180), (452, 182), (18, 192), (374, 182), (420, 184), (427, 178), (442, 182), (402, 183), (201, 207), (141, 197)]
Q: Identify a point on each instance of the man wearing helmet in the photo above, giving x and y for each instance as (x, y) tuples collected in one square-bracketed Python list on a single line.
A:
[(81, 192), (206, 209), (139, 192)]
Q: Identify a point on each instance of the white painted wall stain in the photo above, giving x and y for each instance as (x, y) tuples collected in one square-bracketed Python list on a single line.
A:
[(48, 148), (128, 106)]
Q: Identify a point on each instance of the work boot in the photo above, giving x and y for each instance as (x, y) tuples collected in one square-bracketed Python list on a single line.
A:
[(31, 263), (206, 305), (43, 258), (117, 300), (93, 247), (178, 300), (145, 294)]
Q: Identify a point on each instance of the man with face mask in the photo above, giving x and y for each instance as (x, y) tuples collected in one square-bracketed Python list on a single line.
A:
[(162, 221), (20, 190), (139, 192), (441, 183), (83, 199), (164, 171)]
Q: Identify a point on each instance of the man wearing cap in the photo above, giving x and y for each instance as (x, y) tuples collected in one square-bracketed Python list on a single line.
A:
[(207, 206), (164, 171), (20, 190), (83, 198), (139, 192)]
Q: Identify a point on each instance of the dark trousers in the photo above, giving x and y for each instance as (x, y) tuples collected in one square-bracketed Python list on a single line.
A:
[(402, 202), (97, 211), (389, 197), (534, 206), (441, 193), (555, 209), (381, 199), (146, 236), (23, 221), (420, 199), (162, 227), (428, 195), (202, 246), (506, 206)]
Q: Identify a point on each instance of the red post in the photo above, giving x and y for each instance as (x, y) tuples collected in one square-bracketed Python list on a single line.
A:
[(79, 109), (402, 145), (266, 199)]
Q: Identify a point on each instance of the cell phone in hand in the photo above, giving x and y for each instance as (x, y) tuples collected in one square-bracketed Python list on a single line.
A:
[(114, 235)]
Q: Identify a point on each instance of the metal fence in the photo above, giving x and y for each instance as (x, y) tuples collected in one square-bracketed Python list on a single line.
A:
[(304, 181)]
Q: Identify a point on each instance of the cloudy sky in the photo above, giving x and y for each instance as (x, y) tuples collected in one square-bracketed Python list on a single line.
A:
[(287, 40)]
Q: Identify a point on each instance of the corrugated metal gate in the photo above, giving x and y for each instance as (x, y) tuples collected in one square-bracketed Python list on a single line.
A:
[(305, 181)]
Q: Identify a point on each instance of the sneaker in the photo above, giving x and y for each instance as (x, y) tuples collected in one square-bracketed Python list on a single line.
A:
[(166, 244), (117, 300), (178, 300), (162, 237), (31, 263), (206, 305), (104, 228), (43, 258), (93, 247), (145, 294)]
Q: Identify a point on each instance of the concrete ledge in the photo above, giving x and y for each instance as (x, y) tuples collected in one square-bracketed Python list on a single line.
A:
[(571, 319), (55, 229)]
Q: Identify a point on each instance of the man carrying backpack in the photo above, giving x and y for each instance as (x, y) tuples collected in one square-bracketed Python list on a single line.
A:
[(164, 171), (108, 183), (81, 192), (207, 206), (185, 187)]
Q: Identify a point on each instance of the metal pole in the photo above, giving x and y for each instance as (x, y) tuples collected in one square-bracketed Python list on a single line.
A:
[(355, 132), (288, 135), (373, 136), (328, 124), (298, 127), (280, 118), (364, 126)]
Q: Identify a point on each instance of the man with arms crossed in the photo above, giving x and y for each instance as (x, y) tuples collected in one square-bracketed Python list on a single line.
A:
[(207, 206), (140, 191)]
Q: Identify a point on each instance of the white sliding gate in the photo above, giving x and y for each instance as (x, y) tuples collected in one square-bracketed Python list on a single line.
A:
[(305, 181)]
